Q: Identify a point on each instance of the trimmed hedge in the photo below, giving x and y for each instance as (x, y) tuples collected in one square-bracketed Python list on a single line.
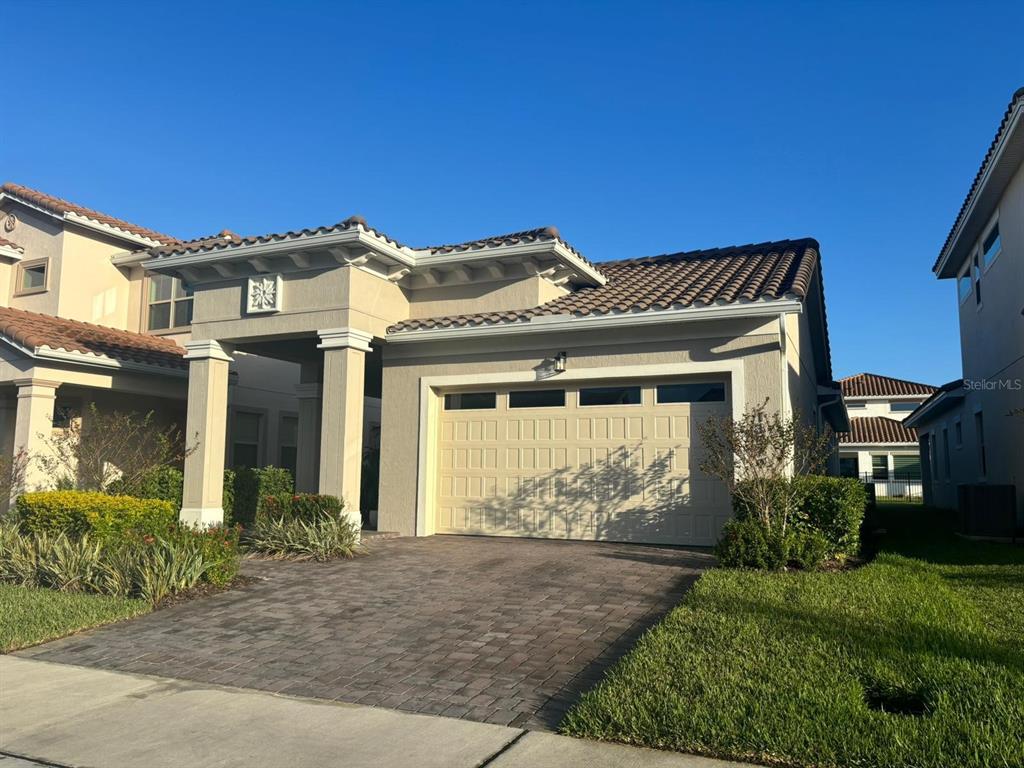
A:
[(105, 517), (833, 507), (252, 486), (168, 483), (308, 507)]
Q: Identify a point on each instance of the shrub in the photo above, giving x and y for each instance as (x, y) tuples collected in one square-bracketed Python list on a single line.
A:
[(77, 512), (253, 485), (228, 502), (323, 538), (301, 506), (834, 507), (168, 483), (807, 549), (749, 544)]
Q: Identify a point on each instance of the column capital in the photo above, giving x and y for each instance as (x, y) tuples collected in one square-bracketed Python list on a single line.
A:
[(27, 384), (340, 338), (206, 350)]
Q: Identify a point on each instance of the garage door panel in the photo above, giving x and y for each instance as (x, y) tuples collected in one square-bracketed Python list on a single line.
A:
[(623, 473)]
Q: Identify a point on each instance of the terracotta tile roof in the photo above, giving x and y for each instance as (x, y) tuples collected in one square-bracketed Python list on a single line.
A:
[(10, 244), (541, 234), (56, 205), (34, 331), (874, 385), (1017, 96), (877, 429), (693, 278)]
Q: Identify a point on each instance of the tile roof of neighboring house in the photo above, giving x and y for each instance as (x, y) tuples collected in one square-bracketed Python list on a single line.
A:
[(877, 429), (1017, 96), (34, 331), (874, 385), (694, 278), (10, 244), (56, 205)]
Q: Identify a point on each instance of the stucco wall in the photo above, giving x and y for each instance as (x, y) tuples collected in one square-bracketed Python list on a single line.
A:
[(405, 365), (519, 293), (42, 238)]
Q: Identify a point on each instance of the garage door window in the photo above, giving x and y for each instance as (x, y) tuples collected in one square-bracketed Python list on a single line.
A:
[(610, 396), (691, 393), (537, 398), (470, 401)]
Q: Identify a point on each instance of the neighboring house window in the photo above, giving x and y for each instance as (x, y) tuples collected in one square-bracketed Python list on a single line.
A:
[(979, 428), (470, 401), (945, 452), (537, 398), (991, 246), (32, 277), (847, 466), (170, 303), (906, 467), (880, 467), (691, 393), (246, 439), (288, 438), (856, 405), (958, 433), (610, 396), (907, 407)]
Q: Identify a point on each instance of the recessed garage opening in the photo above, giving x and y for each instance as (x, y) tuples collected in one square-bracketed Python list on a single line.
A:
[(603, 460)]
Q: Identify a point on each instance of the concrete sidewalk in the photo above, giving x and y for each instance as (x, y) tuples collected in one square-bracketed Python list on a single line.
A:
[(90, 718)]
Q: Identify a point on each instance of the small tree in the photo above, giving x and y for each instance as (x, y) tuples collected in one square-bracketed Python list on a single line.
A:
[(104, 446), (756, 455)]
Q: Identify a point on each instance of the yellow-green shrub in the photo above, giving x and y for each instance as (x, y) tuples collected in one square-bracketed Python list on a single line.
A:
[(105, 517)]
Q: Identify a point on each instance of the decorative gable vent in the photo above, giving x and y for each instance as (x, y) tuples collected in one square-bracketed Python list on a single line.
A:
[(263, 294)]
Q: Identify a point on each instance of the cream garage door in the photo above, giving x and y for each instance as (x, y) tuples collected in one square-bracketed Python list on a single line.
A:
[(614, 461)]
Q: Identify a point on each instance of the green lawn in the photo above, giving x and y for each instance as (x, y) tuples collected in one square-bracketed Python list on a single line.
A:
[(29, 616), (914, 660)]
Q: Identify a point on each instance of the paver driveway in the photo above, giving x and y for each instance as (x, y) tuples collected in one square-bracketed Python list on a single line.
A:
[(506, 631)]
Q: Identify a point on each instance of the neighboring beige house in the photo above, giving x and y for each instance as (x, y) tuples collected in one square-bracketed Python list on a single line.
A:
[(879, 448), (525, 390), (76, 328), (972, 430)]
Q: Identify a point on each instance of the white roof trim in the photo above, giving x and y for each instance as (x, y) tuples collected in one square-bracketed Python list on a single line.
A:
[(90, 359), (14, 254), (559, 323)]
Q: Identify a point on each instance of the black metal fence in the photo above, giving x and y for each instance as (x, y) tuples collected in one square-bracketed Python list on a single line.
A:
[(895, 487)]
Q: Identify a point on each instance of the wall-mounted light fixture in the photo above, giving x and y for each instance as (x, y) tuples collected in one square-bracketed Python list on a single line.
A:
[(560, 362)]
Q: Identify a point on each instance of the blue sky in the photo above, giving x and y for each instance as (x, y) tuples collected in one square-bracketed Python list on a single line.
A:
[(636, 128)]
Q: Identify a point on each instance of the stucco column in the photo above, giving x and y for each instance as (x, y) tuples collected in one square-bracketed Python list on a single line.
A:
[(33, 423), (341, 418), (206, 426), (307, 452)]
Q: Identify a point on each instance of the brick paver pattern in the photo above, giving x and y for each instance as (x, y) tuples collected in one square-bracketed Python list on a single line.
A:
[(507, 631)]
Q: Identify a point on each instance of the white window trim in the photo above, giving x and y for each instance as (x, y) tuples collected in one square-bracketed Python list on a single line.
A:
[(23, 266), (733, 371)]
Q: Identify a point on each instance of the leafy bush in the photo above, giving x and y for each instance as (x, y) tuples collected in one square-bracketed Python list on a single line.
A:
[(228, 503), (300, 506), (749, 544), (807, 550), (77, 512), (253, 485), (168, 483), (322, 538), (150, 566), (834, 507)]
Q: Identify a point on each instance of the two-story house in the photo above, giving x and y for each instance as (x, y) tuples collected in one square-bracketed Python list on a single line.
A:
[(80, 326), (972, 430), (879, 448)]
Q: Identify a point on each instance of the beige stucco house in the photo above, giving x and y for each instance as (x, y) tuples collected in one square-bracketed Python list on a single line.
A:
[(76, 327), (879, 448), (972, 429)]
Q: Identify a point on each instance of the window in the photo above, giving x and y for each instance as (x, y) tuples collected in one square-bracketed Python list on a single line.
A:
[(65, 414), (906, 467), (933, 455), (856, 405), (288, 434), (958, 433), (905, 407), (979, 428), (170, 303), (470, 401), (991, 246), (963, 285), (610, 396), (977, 281), (32, 277), (691, 393), (847, 466), (880, 467), (945, 452), (537, 398), (245, 449)]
